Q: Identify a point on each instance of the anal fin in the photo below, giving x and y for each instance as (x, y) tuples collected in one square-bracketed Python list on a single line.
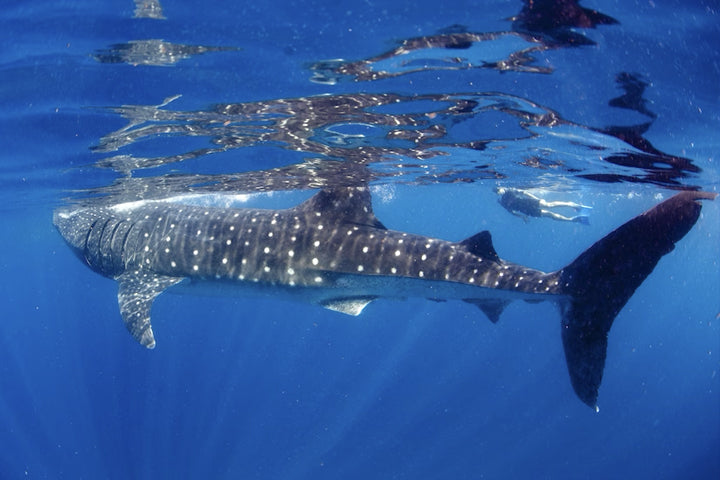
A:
[(491, 308), (349, 306), (136, 293)]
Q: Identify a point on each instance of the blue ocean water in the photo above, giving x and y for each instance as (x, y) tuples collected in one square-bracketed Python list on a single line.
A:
[(433, 105)]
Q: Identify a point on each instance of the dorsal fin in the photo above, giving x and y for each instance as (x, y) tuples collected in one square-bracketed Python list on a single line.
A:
[(351, 204), (481, 245)]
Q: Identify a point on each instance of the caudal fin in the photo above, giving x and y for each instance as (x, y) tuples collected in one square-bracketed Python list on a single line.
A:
[(602, 279)]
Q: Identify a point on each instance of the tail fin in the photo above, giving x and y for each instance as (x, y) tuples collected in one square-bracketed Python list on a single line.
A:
[(604, 277)]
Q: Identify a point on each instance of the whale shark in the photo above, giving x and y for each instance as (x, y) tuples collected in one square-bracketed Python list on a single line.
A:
[(331, 250)]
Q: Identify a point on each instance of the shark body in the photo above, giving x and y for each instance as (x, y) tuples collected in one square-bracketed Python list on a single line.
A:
[(331, 250)]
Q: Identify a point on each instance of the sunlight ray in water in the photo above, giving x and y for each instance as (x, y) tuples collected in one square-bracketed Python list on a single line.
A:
[(359, 403)]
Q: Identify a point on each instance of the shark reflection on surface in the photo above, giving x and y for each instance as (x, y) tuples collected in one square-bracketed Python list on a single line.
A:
[(153, 52)]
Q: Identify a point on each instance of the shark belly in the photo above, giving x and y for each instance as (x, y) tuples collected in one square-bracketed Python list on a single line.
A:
[(350, 294)]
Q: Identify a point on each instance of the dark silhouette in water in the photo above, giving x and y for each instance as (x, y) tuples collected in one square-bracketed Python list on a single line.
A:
[(554, 20), (632, 99)]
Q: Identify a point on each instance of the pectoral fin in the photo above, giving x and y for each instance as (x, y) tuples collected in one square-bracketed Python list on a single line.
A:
[(136, 293)]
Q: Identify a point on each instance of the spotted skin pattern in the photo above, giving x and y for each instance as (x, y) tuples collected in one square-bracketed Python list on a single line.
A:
[(303, 246), (327, 243)]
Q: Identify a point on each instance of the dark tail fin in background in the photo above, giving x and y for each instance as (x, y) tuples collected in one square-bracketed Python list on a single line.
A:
[(602, 279)]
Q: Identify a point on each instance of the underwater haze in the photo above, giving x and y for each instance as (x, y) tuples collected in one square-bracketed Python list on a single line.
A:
[(435, 108)]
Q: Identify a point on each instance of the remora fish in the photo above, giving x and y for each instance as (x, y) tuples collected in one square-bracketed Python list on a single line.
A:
[(331, 250)]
